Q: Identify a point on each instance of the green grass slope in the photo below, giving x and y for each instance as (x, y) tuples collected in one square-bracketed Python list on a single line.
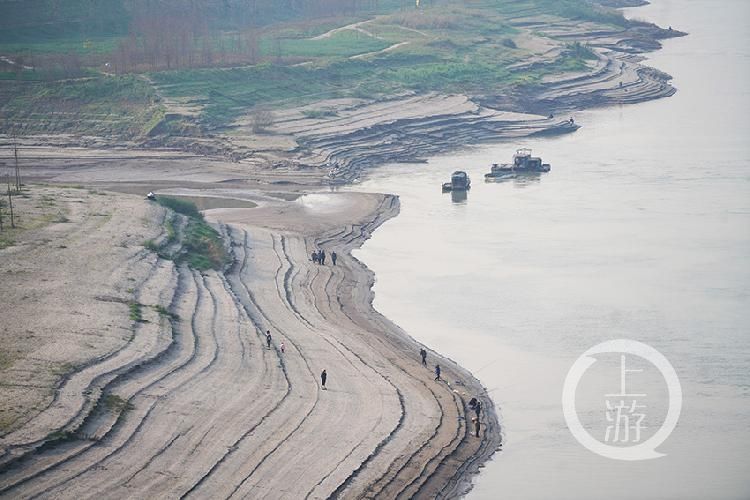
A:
[(73, 66)]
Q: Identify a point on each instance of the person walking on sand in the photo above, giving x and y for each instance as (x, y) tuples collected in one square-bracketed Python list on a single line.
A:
[(333, 257), (423, 353), (282, 347), (268, 338), (477, 427), (323, 257), (437, 372), (323, 377), (478, 408), (314, 256)]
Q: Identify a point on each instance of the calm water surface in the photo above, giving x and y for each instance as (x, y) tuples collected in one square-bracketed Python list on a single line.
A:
[(641, 230)]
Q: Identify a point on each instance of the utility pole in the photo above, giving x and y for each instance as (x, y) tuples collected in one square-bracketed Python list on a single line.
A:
[(18, 171), (10, 205)]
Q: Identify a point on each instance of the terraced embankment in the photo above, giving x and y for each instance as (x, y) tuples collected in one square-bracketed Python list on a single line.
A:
[(568, 65), (193, 403), (404, 130), (345, 136)]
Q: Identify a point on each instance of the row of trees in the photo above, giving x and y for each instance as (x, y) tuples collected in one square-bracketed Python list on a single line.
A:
[(171, 34), (243, 13), (28, 20), (180, 39), (161, 34), (54, 66)]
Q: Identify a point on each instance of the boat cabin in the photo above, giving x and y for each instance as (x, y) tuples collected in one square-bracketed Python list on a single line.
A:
[(460, 180), (524, 161)]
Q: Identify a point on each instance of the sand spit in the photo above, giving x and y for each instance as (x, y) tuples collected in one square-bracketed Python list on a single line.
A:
[(192, 403)]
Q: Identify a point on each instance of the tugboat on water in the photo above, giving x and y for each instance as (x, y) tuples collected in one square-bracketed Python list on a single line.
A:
[(459, 182), (523, 163)]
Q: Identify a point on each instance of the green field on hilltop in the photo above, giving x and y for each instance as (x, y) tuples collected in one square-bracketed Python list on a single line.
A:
[(116, 106), (83, 68)]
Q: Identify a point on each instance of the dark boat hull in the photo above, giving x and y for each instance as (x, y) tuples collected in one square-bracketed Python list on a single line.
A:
[(504, 173)]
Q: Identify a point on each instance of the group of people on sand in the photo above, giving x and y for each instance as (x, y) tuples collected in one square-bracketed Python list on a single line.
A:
[(319, 257), (423, 355), (282, 348), (474, 403)]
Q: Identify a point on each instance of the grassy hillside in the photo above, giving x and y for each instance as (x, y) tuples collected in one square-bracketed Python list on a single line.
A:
[(112, 106), (73, 65)]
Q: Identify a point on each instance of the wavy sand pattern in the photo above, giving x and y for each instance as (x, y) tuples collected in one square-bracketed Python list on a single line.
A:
[(213, 413)]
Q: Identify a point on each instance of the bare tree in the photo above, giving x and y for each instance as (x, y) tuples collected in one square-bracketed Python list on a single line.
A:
[(262, 119)]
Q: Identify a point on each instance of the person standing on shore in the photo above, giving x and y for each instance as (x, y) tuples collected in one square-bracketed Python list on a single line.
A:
[(268, 338), (282, 347), (333, 257), (323, 257), (437, 372), (478, 408), (477, 427), (323, 377), (314, 257), (423, 353)]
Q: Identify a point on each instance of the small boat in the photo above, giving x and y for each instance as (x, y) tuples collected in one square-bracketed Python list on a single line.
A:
[(523, 163), (460, 181)]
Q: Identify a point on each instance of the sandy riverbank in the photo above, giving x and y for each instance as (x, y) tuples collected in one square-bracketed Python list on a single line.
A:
[(194, 404)]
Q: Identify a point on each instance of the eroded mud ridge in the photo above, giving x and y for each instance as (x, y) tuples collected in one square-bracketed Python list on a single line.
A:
[(194, 404)]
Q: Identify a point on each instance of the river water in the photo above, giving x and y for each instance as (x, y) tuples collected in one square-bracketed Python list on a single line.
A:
[(640, 231)]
